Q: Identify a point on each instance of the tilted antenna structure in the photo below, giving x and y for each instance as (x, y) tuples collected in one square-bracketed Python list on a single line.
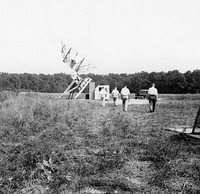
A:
[(78, 64)]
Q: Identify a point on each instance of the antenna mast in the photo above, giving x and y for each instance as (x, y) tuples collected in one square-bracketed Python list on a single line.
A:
[(78, 64)]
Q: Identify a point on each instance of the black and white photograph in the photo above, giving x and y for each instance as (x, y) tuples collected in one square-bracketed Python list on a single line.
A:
[(99, 96)]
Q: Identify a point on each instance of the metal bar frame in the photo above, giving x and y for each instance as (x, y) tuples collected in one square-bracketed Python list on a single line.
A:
[(196, 124)]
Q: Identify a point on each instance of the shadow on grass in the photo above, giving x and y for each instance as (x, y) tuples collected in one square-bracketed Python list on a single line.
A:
[(185, 139), (175, 163)]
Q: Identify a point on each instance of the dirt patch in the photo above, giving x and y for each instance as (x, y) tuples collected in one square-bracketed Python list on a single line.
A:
[(136, 101)]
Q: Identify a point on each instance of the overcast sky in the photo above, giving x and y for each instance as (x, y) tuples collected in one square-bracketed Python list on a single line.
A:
[(117, 36)]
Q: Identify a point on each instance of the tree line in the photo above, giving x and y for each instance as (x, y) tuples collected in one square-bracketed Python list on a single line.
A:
[(172, 82)]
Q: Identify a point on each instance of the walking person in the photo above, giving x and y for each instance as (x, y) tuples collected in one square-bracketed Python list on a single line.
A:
[(115, 95), (125, 95), (103, 96), (153, 97)]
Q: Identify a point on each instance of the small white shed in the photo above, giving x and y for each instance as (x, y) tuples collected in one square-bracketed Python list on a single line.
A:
[(98, 89)]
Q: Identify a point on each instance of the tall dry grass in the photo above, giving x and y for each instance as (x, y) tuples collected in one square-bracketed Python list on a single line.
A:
[(50, 145), (55, 143)]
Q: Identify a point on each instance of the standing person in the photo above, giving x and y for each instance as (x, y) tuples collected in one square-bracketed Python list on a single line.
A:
[(125, 95), (115, 94), (153, 96), (103, 96)]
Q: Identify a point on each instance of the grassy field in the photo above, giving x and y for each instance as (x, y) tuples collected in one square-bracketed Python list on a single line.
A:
[(59, 146)]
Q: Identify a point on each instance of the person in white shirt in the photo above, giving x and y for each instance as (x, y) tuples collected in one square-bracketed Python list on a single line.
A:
[(125, 95), (103, 96), (115, 95), (153, 96)]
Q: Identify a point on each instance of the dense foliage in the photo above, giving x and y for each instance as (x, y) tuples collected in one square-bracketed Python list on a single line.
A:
[(166, 82)]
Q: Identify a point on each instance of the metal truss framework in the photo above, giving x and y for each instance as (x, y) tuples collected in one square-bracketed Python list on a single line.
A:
[(77, 63)]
